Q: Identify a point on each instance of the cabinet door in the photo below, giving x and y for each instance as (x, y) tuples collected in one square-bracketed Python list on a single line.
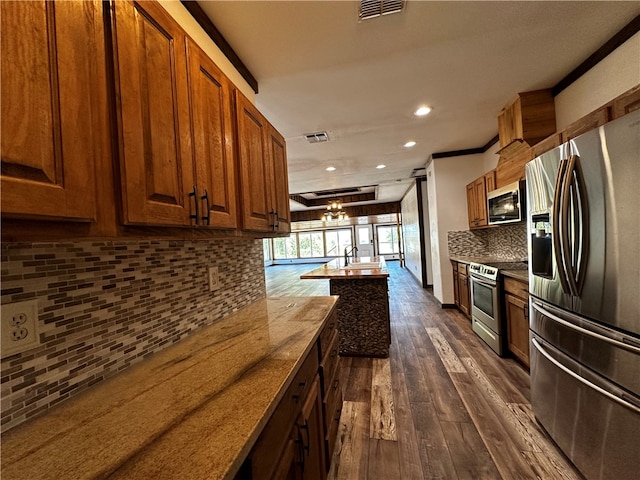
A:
[(153, 115), (312, 435), (211, 124), (517, 311), (490, 181), (280, 180), (50, 108), (481, 202), (253, 166), (456, 286), (471, 205), (464, 292)]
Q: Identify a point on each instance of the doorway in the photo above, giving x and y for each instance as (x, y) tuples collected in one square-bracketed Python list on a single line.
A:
[(364, 240)]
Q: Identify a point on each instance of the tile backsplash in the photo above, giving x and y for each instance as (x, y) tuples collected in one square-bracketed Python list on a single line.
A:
[(506, 241), (103, 306)]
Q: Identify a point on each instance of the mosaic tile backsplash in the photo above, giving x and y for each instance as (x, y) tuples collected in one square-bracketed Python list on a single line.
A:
[(506, 241), (103, 306)]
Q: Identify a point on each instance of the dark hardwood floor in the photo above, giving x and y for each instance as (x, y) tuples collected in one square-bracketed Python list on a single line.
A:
[(442, 406)]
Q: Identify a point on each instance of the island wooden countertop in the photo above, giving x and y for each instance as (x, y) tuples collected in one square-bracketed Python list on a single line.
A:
[(192, 411), (334, 269)]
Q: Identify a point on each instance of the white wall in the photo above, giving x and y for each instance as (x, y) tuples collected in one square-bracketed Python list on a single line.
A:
[(614, 75), (427, 234), (411, 233), (195, 31), (447, 179), (490, 157)]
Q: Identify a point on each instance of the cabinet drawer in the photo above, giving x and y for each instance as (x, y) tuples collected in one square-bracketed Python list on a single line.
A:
[(516, 287), (462, 268), (326, 336), (332, 401), (329, 364), (274, 437), (333, 422)]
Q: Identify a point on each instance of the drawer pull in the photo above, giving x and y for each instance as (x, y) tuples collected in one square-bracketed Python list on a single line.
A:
[(335, 385), (297, 396), (305, 428)]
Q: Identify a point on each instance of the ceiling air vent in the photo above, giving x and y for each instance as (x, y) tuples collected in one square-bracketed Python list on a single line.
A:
[(376, 8), (317, 137)]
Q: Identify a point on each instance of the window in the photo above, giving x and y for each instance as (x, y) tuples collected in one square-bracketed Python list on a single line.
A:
[(387, 240), (311, 244), (337, 241), (285, 247), (266, 249)]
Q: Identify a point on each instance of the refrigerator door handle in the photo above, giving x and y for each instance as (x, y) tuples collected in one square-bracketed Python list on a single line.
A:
[(575, 252), (559, 226), (582, 380), (620, 344)]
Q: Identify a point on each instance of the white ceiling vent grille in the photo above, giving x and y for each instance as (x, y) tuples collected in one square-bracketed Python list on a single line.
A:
[(317, 137), (376, 8)]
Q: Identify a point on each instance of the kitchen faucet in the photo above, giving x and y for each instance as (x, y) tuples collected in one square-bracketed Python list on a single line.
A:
[(354, 251)]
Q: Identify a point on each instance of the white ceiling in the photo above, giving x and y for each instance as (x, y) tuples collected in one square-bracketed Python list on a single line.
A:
[(321, 69)]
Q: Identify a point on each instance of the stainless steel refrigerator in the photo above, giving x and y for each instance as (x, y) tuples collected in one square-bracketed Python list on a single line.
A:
[(583, 201)]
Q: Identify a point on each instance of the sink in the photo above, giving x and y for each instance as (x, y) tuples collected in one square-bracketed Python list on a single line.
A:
[(362, 266)]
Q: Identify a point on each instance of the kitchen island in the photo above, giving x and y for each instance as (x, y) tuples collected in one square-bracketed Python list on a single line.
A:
[(363, 308), (194, 410)]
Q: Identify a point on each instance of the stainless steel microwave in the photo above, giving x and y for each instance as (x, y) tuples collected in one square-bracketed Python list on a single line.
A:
[(506, 204)]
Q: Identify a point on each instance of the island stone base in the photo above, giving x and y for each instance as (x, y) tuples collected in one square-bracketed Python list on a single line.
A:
[(363, 316)]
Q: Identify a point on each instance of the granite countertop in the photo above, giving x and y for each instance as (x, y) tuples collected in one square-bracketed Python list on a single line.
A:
[(335, 270), (522, 275), (193, 410)]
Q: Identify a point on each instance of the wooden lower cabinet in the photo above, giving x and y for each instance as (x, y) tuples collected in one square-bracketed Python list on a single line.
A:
[(516, 308), (311, 436), (299, 438), (461, 290)]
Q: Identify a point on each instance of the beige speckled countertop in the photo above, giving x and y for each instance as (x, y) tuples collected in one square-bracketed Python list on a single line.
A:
[(522, 275), (192, 411), (334, 269)]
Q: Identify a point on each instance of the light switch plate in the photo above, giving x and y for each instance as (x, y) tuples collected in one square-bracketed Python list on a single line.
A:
[(19, 327), (214, 279)]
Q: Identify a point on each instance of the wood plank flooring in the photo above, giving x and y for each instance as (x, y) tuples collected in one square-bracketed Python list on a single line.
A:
[(442, 406)]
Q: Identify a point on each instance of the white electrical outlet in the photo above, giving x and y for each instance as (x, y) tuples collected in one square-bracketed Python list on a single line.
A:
[(214, 279), (19, 327)]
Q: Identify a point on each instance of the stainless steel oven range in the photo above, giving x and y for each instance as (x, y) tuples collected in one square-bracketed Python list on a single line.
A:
[(485, 305)]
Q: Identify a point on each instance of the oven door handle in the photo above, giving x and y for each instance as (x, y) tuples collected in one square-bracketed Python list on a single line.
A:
[(482, 282), (582, 380)]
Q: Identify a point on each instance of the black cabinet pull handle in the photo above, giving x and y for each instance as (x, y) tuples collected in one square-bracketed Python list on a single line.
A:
[(206, 218), (305, 427), (194, 194), (335, 385), (297, 396), (525, 308)]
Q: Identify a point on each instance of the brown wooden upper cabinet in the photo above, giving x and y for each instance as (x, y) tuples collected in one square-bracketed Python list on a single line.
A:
[(531, 117), (262, 171), (280, 181), (213, 140), (156, 170), (51, 60), (477, 199), (175, 124)]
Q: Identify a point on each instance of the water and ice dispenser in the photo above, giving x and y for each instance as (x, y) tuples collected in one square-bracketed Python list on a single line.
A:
[(541, 246)]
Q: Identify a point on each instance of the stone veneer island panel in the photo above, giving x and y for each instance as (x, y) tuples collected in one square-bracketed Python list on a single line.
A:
[(363, 308)]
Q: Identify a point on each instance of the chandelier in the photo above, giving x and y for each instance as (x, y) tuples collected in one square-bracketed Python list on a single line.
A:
[(334, 211)]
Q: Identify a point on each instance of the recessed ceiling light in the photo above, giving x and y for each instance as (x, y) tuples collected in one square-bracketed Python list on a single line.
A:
[(422, 111), (410, 144), (330, 169), (381, 166)]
